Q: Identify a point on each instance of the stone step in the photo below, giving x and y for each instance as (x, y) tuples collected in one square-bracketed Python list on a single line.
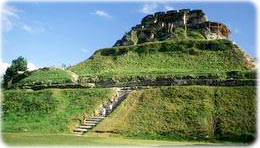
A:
[(89, 124), (84, 126), (91, 120), (98, 117), (94, 120), (80, 130)]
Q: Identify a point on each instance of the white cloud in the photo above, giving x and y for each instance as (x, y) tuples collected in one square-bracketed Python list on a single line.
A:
[(167, 8), (31, 66), (12, 18), (7, 25), (149, 8), (27, 28), (33, 28), (9, 11), (102, 13), (9, 17), (3, 67)]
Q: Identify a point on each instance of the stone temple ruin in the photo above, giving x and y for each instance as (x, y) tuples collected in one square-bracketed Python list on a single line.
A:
[(162, 25)]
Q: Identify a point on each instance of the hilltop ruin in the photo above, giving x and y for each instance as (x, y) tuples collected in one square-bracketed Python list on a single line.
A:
[(162, 25)]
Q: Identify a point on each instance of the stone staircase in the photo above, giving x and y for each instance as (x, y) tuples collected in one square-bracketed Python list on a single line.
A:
[(90, 123)]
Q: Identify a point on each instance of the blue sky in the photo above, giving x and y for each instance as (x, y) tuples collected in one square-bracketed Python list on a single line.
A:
[(48, 34)]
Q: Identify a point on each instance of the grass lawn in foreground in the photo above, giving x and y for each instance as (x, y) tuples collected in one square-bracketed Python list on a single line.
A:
[(90, 139)]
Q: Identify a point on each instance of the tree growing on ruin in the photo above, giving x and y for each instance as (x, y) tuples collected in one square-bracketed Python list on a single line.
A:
[(18, 65)]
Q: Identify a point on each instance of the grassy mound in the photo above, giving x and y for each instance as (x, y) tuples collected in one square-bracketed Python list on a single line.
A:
[(49, 110), (46, 76), (190, 112), (164, 58)]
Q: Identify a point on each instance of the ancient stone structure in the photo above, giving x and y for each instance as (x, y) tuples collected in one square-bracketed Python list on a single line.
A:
[(162, 25)]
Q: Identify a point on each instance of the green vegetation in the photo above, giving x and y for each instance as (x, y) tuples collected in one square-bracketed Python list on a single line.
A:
[(63, 139), (50, 110), (183, 57), (10, 76), (192, 34), (46, 77), (188, 112), (162, 115), (179, 34), (235, 114), (195, 34)]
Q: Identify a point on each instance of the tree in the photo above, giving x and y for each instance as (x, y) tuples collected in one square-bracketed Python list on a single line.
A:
[(19, 64), (64, 66)]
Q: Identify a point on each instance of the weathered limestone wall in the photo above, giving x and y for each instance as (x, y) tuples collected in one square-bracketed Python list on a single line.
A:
[(162, 25)]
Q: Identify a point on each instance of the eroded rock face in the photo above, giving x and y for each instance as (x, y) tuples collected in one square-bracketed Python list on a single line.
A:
[(162, 25)]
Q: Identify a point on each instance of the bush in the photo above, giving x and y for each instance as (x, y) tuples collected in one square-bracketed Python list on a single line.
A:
[(214, 45), (234, 74), (108, 52), (250, 74)]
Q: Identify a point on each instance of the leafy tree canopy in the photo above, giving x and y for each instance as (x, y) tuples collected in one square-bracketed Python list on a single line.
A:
[(19, 64)]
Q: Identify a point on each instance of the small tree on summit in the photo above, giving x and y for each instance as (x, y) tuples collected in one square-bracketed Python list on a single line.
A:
[(18, 65)]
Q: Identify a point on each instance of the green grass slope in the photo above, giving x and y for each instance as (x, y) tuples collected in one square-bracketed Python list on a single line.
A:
[(167, 57), (47, 76), (39, 139), (49, 110), (190, 112)]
